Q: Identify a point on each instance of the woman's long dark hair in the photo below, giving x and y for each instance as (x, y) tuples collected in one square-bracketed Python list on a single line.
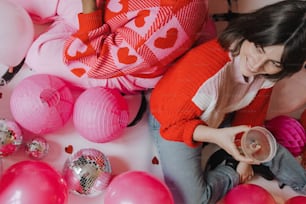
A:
[(282, 23)]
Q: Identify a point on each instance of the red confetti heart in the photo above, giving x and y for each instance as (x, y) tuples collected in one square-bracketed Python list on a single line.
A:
[(155, 161), (69, 149)]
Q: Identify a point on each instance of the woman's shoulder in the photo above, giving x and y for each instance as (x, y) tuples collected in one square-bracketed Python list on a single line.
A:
[(204, 59), (211, 48), (194, 68), (208, 55)]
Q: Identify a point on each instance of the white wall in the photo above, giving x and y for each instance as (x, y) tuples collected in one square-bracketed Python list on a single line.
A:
[(288, 96), (249, 5), (240, 6)]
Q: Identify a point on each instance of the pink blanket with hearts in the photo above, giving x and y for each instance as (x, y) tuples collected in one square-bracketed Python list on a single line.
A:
[(125, 45)]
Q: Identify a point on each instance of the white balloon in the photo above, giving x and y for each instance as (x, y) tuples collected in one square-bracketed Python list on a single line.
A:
[(16, 33)]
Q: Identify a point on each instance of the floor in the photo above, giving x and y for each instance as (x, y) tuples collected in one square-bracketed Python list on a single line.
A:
[(134, 150)]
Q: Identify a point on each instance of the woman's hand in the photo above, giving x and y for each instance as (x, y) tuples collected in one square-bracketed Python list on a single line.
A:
[(224, 138), (245, 172), (89, 6)]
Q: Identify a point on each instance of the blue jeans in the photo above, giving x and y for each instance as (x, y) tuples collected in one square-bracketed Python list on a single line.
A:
[(191, 184)]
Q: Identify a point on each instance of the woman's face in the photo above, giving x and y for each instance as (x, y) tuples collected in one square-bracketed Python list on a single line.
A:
[(255, 60)]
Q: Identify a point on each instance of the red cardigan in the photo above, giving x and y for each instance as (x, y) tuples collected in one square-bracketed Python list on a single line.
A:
[(173, 100)]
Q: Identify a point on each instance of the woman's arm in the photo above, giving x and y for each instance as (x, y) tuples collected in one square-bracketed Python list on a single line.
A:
[(223, 137), (89, 6), (171, 100)]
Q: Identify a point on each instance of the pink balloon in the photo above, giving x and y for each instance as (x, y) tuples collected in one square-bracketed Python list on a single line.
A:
[(41, 103), (16, 33), (32, 182), (248, 193), (296, 200), (100, 114), (137, 187)]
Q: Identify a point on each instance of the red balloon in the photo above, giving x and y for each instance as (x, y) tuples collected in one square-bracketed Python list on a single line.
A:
[(248, 193), (32, 182), (137, 187), (296, 200)]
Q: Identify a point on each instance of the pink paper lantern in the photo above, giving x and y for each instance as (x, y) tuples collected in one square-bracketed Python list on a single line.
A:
[(32, 182), (16, 33), (100, 114), (248, 193), (289, 132), (137, 187), (41, 103)]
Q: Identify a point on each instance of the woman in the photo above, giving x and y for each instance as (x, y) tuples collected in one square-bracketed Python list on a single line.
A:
[(229, 77)]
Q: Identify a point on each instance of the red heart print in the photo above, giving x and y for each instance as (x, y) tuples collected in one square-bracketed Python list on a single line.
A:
[(124, 57), (168, 41), (140, 19), (79, 72), (77, 46)]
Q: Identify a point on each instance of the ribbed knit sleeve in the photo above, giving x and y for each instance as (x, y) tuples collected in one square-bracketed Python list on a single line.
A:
[(171, 100), (86, 42), (90, 21)]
